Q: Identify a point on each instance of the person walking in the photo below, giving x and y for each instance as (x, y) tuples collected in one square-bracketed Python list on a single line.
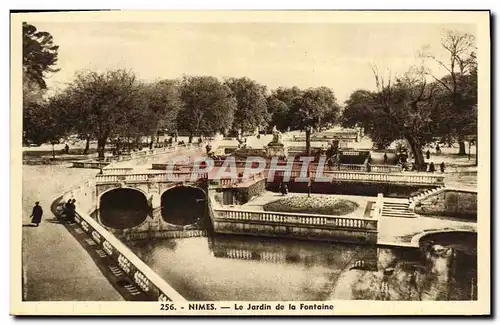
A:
[(71, 211), (432, 168), (442, 166), (385, 158), (283, 188), (36, 215), (428, 154), (66, 149), (438, 149)]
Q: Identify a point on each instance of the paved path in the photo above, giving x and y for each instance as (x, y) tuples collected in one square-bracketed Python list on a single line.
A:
[(57, 267), (396, 231)]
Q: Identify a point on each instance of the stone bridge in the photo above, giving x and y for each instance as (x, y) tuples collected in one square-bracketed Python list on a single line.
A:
[(137, 206)]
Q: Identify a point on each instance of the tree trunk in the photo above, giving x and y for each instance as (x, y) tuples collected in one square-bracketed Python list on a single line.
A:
[(87, 145), (53, 152), (101, 144), (416, 148), (461, 148), (308, 141), (477, 147), (190, 138)]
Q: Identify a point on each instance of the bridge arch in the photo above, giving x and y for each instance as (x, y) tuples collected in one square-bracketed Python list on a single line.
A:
[(419, 238), (123, 207), (183, 205)]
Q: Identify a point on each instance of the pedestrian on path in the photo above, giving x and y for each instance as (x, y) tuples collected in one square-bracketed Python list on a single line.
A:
[(428, 154), (71, 211), (385, 158), (432, 168), (442, 166), (283, 188), (36, 215)]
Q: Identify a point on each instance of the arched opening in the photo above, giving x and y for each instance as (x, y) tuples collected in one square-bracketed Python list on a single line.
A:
[(183, 205), (123, 208)]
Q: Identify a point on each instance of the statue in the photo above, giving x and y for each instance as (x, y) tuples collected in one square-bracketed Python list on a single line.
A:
[(276, 147), (276, 135)]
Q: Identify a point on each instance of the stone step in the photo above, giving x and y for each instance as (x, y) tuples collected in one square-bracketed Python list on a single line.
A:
[(396, 209), (389, 204), (399, 215), (402, 207), (397, 212)]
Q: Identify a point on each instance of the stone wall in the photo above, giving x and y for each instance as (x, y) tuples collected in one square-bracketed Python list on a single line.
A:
[(353, 188), (296, 231), (449, 202), (243, 195)]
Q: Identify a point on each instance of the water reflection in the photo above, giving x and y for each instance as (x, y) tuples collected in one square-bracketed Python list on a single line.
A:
[(225, 267)]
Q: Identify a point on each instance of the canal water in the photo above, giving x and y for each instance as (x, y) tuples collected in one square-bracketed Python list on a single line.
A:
[(227, 267)]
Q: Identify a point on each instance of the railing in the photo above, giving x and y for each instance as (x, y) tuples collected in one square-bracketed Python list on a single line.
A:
[(134, 155), (151, 177), (242, 179), (117, 170), (403, 178), (143, 276), (296, 218)]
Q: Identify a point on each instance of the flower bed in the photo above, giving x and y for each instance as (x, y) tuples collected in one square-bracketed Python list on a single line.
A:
[(328, 205)]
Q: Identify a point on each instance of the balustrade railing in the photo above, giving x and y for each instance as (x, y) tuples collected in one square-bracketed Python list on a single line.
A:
[(403, 178), (142, 275), (297, 218)]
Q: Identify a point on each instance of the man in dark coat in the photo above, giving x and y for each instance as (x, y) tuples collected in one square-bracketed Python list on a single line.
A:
[(71, 211), (283, 188), (36, 215), (432, 168), (442, 167)]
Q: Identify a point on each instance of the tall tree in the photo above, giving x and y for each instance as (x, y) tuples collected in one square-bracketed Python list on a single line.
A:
[(100, 104), (279, 113), (313, 109), (287, 95), (39, 54), (458, 88), (251, 111), (39, 57), (400, 108), (208, 106), (160, 102)]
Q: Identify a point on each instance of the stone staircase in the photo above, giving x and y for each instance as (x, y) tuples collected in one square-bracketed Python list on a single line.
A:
[(399, 209), (422, 195)]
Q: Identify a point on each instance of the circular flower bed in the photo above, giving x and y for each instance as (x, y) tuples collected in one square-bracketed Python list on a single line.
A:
[(329, 205)]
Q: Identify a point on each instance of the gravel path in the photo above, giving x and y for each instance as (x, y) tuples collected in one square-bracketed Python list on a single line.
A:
[(56, 266)]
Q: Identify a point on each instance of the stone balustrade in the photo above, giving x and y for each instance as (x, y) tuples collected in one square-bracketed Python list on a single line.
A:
[(148, 177), (296, 218), (395, 178), (133, 155), (142, 275)]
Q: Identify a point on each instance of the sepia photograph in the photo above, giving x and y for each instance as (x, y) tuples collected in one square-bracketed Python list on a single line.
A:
[(250, 163)]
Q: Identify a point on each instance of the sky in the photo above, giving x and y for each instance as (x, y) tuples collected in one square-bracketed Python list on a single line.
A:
[(338, 56)]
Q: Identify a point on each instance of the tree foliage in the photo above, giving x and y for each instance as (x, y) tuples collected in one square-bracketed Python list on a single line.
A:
[(456, 107), (102, 105), (279, 113), (251, 111), (314, 108), (39, 54), (208, 106)]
